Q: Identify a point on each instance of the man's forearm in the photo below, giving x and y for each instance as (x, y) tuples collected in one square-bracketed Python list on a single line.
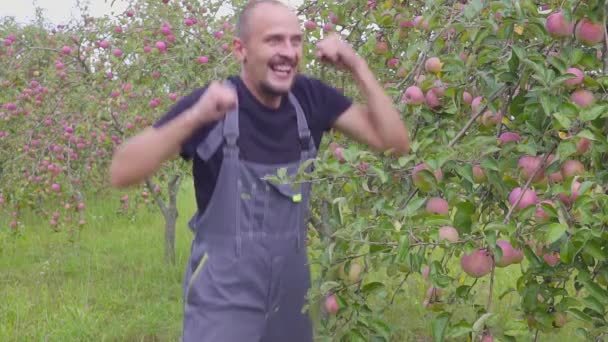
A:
[(142, 155), (385, 118)]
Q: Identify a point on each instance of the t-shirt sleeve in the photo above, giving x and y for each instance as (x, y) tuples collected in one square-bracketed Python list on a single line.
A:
[(189, 146), (329, 102)]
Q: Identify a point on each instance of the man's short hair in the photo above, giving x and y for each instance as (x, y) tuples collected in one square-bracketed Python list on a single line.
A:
[(243, 19)]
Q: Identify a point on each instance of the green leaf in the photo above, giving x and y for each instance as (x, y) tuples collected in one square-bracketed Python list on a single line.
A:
[(531, 256), (563, 120), (578, 314), (439, 325), (404, 248), (565, 149), (594, 304), (414, 205), (481, 321), (519, 51), (459, 330), (595, 250), (381, 328), (328, 286), (490, 163), (373, 286), (596, 291), (463, 218), (555, 232), (547, 103), (381, 174), (583, 333), (567, 252), (592, 113)]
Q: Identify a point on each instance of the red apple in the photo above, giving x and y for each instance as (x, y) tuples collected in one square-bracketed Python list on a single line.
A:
[(331, 304), (578, 79), (478, 174), (582, 146), (508, 253), (558, 26), (582, 98), (540, 214), (476, 103), (529, 198), (467, 97), (571, 168), (477, 264), (448, 233), (432, 100), (433, 65), (507, 137), (381, 47), (588, 32), (161, 46), (437, 205), (528, 164), (310, 25), (551, 258), (413, 95)]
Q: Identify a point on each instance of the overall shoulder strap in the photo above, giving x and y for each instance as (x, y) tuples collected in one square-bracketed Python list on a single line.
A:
[(306, 141), (224, 129)]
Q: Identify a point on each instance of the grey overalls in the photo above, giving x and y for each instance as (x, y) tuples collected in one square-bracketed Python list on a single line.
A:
[(248, 272)]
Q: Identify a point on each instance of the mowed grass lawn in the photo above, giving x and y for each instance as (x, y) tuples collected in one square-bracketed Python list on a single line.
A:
[(113, 284)]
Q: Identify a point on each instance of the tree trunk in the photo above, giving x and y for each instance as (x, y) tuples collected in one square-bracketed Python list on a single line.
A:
[(170, 215), (170, 223), (171, 219)]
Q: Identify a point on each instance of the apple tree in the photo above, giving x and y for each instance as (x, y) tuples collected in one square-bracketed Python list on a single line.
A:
[(72, 93), (505, 102)]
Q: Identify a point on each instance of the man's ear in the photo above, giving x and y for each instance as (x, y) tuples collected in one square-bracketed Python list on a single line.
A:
[(239, 50)]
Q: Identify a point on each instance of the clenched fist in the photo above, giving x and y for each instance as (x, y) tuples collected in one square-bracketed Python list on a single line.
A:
[(215, 102), (335, 51)]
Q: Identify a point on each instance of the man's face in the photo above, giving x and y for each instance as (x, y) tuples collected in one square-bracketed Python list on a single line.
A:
[(272, 49)]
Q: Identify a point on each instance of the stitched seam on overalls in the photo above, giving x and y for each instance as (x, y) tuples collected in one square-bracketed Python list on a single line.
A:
[(198, 269)]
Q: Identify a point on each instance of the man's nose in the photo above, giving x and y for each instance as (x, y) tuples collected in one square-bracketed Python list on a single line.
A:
[(288, 49)]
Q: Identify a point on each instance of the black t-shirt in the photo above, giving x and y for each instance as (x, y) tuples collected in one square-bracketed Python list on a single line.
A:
[(266, 135)]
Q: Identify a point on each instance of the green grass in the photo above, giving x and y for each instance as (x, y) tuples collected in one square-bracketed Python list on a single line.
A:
[(113, 284)]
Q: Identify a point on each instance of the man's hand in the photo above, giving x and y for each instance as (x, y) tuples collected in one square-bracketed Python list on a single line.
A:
[(335, 51), (214, 103)]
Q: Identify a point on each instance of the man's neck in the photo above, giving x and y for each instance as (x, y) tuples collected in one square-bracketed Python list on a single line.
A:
[(268, 101)]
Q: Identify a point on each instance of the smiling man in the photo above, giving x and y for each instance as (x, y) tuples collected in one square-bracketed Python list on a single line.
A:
[(248, 273)]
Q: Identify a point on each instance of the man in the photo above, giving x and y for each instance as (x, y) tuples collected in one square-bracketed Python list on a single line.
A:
[(247, 276)]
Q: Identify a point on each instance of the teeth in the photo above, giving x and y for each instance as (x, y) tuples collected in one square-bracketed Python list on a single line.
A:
[(282, 68)]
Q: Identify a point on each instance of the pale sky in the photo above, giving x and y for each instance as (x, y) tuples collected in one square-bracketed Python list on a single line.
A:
[(60, 11)]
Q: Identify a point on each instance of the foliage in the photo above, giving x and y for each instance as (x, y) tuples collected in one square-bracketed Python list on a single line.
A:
[(499, 111)]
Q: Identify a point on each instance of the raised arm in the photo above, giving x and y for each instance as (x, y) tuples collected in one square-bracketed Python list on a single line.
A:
[(376, 123), (142, 155)]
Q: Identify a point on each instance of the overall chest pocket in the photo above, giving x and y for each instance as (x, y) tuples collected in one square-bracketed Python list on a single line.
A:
[(285, 208)]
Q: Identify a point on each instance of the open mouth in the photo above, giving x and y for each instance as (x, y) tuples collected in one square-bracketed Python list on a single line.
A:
[(282, 70)]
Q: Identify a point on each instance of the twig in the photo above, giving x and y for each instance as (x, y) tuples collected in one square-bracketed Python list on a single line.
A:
[(399, 287), (605, 42), (478, 114), (157, 199), (491, 288), (527, 185), (409, 198), (422, 56)]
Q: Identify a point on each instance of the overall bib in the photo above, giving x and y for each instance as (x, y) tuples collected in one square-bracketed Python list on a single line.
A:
[(248, 273)]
